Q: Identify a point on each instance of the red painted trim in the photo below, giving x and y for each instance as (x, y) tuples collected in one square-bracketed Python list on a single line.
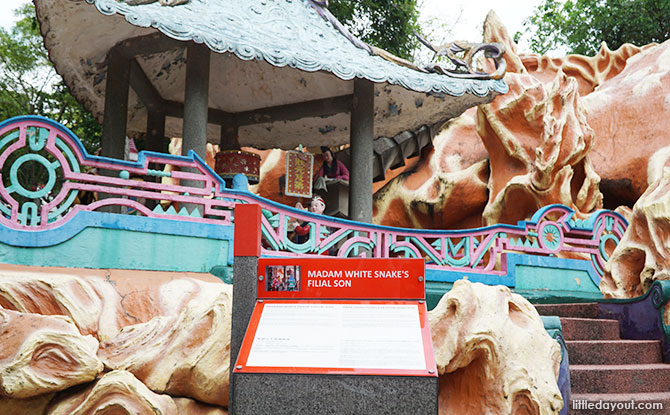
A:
[(344, 278), (247, 230)]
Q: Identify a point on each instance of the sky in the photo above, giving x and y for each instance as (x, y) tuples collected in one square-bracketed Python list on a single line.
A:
[(6, 12), (468, 27), (473, 12)]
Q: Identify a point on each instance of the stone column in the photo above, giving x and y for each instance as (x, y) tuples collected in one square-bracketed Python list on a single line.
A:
[(156, 131), (229, 133), (196, 99), (247, 250), (115, 120), (116, 106), (196, 105), (362, 131)]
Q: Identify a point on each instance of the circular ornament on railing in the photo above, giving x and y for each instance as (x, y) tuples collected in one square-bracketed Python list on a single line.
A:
[(37, 159), (550, 236), (656, 296)]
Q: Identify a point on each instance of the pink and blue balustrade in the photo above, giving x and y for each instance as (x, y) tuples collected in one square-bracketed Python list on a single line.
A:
[(552, 254)]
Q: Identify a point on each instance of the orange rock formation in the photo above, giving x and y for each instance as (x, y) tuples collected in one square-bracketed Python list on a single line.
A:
[(493, 353), (642, 256), (42, 354), (118, 393), (183, 355), (170, 329)]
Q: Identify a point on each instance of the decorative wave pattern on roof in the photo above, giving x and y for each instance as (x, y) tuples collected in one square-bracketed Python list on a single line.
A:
[(285, 33)]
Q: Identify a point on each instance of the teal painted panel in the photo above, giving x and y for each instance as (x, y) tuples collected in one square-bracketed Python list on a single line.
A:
[(123, 249), (554, 279)]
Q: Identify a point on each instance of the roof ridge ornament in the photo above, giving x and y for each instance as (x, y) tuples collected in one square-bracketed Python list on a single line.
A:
[(461, 54), (170, 3), (463, 66), (321, 7)]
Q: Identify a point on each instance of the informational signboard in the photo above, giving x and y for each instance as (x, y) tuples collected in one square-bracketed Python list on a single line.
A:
[(328, 335), (339, 316), (299, 172), (338, 337)]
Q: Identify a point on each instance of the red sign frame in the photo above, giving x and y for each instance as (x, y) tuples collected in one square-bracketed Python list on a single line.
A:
[(341, 278), (241, 365)]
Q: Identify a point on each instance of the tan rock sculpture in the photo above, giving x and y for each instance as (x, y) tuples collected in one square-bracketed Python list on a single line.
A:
[(184, 355), (42, 354), (100, 302), (185, 316), (538, 141), (28, 406), (626, 114), (55, 293), (589, 71), (642, 255), (117, 393), (425, 197), (187, 406), (493, 354)]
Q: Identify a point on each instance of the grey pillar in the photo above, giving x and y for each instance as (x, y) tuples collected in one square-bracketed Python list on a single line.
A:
[(245, 282), (116, 106), (115, 115), (229, 133), (196, 99), (156, 131), (155, 142), (362, 130)]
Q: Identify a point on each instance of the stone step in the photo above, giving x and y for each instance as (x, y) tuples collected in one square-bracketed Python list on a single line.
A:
[(652, 377), (575, 328), (578, 310), (614, 352), (623, 403)]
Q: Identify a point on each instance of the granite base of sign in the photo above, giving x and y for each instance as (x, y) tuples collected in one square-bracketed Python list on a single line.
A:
[(298, 394)]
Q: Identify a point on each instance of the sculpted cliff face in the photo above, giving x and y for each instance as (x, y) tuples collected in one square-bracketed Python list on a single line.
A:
[(171, 330), (642, 256), (445, 189), (589, 71), (491, 348), (42, 354), (626, 114), (98, 302), (118, 393), (529, 147), (493, 353), (538, 142), (183, 355), (590, 117)]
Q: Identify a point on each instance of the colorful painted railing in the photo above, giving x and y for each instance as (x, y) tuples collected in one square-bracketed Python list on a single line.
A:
[(643, 317), (490, 254)]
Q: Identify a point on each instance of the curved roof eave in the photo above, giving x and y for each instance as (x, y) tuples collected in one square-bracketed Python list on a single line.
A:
[(291, 34)]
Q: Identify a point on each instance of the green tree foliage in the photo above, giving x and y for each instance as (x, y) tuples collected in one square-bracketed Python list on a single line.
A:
[(386, 24), (581, 25), (29, 84)]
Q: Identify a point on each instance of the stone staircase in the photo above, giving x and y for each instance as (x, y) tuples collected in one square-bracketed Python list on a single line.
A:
[(603, 367)]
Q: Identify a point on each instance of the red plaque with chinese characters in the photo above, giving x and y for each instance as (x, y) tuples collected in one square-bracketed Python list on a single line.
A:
[(299, 172), (232, 162)]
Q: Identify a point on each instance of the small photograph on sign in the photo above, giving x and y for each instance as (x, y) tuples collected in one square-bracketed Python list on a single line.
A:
[(282, 278)]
